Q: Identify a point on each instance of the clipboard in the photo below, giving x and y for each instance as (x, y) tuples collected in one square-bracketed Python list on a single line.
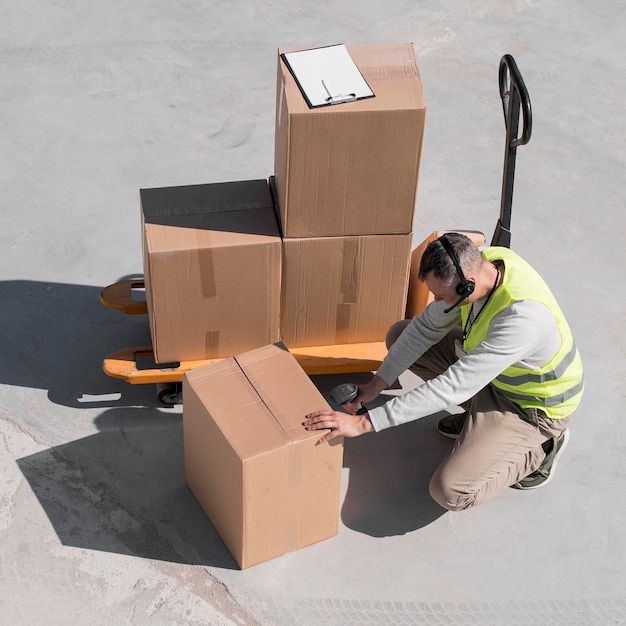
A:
[(327, 75)]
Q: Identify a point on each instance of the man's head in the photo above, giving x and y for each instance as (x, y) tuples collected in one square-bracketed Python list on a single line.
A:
[(436, 260), (439, 271)]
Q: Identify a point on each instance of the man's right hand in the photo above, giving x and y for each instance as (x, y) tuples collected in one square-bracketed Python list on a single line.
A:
[(367, 393)]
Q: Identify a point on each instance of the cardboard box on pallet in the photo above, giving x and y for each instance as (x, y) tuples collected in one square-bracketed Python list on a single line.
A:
[(258, 475), (339, 290), (212, 266), (351, 168)]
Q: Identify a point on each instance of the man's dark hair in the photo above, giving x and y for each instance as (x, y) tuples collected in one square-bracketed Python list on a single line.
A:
[(436, 260)]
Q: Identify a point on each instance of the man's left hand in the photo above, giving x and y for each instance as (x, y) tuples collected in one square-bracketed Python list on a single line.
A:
[(339, 423)]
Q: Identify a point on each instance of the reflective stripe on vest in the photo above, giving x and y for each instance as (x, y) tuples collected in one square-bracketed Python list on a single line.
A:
[(557, 372), (551, 401), (555, 388)]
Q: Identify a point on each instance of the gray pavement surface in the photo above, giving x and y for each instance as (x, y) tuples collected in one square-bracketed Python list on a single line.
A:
[(100, 99)]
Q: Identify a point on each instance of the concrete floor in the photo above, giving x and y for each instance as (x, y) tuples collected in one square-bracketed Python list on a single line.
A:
[(100, 99)]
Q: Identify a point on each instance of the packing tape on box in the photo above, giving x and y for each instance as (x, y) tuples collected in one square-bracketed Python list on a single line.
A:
[(350, 270), (212, 342), (206, 271), (343, 323), (389, 63), (350, 280)]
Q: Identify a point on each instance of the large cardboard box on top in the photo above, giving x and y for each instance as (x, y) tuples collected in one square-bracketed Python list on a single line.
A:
[(256, 472), (339, 290), (212, 267), (351, 168)]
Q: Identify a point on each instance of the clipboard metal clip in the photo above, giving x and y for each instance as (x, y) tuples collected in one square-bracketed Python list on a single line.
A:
[(342, 97)]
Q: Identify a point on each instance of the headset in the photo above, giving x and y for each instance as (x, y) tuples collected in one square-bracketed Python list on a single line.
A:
[(466, 287)]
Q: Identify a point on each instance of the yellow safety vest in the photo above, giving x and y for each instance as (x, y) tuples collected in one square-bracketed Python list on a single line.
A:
[(557, 387)]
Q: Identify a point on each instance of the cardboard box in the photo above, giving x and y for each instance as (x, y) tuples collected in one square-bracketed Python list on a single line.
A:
[(339, 290), (351, 168), (258, 475), (212, 267)]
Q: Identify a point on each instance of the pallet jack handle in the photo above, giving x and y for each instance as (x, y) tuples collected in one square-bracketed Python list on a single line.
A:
[(514, 97)]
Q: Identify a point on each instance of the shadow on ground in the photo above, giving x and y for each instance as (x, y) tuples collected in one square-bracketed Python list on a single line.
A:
[(55, 337), (123, 490), (387, 492), (389, 474)]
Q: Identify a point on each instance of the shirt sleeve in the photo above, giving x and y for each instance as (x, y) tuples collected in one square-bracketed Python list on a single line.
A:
[(422, 332), (525, 333)]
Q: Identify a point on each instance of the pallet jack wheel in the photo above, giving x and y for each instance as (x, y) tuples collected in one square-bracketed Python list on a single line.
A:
[(170, 393)]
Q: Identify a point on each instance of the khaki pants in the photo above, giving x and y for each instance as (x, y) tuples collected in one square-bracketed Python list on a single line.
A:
[(499, 444)]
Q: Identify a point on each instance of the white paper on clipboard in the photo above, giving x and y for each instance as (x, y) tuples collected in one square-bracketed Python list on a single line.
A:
[(327, 75)]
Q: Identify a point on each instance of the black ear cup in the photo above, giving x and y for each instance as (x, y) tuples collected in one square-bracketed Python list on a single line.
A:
[(465, 288)]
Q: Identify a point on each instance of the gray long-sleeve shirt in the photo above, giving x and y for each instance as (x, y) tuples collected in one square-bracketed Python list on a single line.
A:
[(524, 334)]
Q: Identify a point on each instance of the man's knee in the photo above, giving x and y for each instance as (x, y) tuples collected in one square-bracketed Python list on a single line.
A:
[(446, 495), (395, 331)]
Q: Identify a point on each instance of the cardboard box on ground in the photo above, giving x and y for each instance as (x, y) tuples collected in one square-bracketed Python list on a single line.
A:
[(351, 168), (212, 268), (258, 475)]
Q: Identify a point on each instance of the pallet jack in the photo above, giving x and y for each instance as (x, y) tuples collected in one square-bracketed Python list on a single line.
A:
[(136, 365)]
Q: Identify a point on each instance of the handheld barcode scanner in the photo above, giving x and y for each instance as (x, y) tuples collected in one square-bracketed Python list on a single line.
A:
[(346, 392)]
